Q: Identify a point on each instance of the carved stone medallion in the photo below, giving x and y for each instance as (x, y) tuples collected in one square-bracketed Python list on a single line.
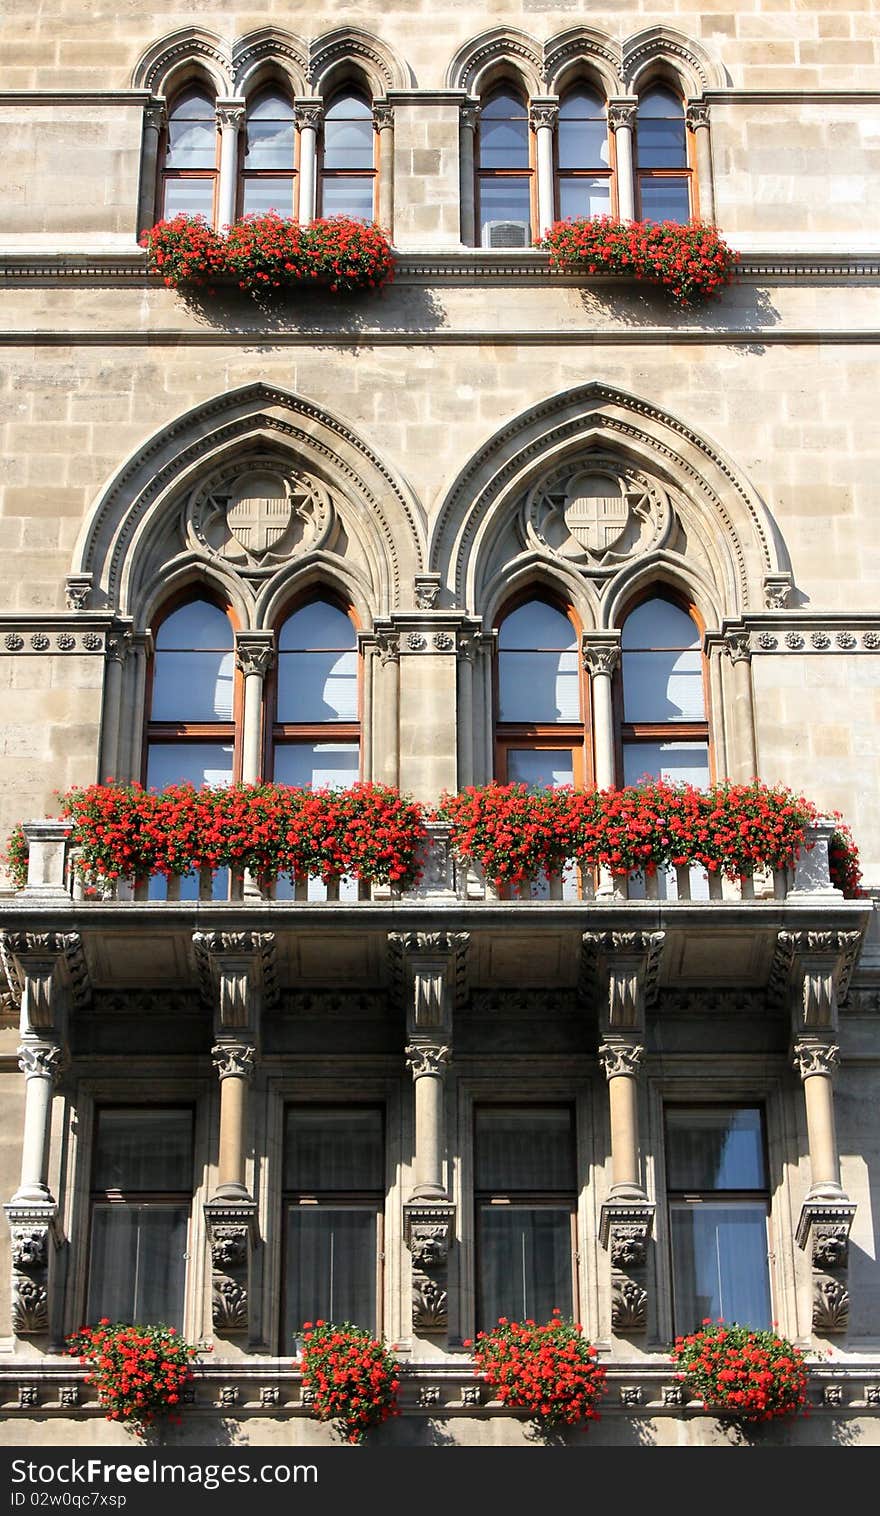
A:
[(259, 511), (595, 515), (256, 516)]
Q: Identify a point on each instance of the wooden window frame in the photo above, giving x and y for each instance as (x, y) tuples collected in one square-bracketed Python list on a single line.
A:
[(159, 733), (166, 175), (290, 734), (585, 173), (323, 174), (372, 1202), (631, 733), (688, 171), (530, 173), (246, 175)]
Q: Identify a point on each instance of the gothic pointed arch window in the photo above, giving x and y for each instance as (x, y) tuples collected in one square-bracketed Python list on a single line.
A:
[(268, 164), (348, 157), (541, 732), (316, 730), (504, 169), (663, 168), (584, 179), (192, 704), (190, 160), (664, 730)]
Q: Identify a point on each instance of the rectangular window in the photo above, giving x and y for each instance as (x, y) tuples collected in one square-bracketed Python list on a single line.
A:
[(334, 1198), (141, 1203), (718, 1202), (525, 1182)]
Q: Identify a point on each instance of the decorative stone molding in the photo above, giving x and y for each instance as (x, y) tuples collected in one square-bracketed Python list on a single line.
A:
[(429, 971), (830, 1305), (593, 514), (28, 1396), (629, 1306), (230, 113), (77, 591), (697, 115), (624, 966), (52, 972), (625, 1229), (229, 1245), (430, 1394), (630, 1394), (628, 1245), (430, 1304), (811, 972), (387, 646), (471, 1394), (118, 645), (737, 645), (426, 590), (543, 113), (438, 870), (270, 1395), (778, 591), (232, 1236), (254, 652), (423, 1059), (383, 116), (238, 975), (673, 1394), (308, 115), (830, 1247), (34, 1241), (469, 115), (254, 516)]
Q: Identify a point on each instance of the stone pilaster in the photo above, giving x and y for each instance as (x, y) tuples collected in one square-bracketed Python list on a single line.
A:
[(621, 122)]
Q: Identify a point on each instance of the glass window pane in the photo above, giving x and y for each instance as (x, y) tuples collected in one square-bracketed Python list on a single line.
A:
[(143, 1150), (584, 197), (665, 200), (193, 687), (269, 144), (348, 143), (524, 1264), (710, 1149), (331, 1268), (719, 1265), (262, 195), (541, 768), (333, 1150), (347, 197), (271, 106), (504, 143), (198, 624), (317, 687), (189, 197), (583, 143), (536, 625), (137, 1263), (317, 625), (541, 687), (196, 763), (665, 686), (677, 762), (334, 764), (347, 107), (658, 623), (522, 1149), (505, 200), (661, 143), (192, 143)]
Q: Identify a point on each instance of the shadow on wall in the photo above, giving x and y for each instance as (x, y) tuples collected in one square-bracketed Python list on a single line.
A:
[(403, 309), (743, 308)]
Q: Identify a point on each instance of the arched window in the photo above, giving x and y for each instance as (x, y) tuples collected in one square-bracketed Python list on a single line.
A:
[(504, 171), (663, 169), (190, 164), (348, 159), (664, 730), (191, 730), (316, 731), (268, 162), (541, 735), (583, 155)]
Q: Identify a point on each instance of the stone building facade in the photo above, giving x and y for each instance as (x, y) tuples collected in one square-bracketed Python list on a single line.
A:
[(452, 1086)]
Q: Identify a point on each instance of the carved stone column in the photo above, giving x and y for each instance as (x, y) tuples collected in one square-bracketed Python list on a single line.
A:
[(254, 654), (543, 114), (601, 655), (429, 969), (118, 648), (154, 125), (742, 727), (230, 115), (237, 972), (383, 123), (621, 117), (469, 115), (697, 118), (309, 114), (386, 706), (622, 968), (32, 1211), (813, 968)]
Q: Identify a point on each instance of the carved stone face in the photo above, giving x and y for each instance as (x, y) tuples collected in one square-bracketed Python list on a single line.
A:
[(28, 1248), (427, 1252)]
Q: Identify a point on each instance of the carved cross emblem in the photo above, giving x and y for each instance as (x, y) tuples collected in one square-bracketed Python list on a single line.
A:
[(259, 511), (596, 511)]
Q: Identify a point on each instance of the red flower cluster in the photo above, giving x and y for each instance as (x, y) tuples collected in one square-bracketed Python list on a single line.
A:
[(139, 1371), (732, 1368), (271, 252), (514, 833), (548, 1370), (125, 832), (690, 262), (354, 1378)]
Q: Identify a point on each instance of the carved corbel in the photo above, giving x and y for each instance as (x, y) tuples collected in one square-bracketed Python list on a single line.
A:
[(429, 970), (427, 1231), (824, 1230), (34, 1242), (232, 1237), (238, 977), (812, 969), (625, 1230), (52, 972), (622, 969), (77, 591), (830, 1305)]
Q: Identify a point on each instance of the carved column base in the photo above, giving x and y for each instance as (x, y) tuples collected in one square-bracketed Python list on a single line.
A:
[(824, 1229), (625, 1230), (428, 1229), (232, 1234), (35, 1237)]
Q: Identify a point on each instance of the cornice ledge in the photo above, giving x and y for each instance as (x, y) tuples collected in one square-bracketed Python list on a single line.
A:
[(49, 97)]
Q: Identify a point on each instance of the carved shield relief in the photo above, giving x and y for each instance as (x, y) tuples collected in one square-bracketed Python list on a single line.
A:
[(595, 514), (256, 516)]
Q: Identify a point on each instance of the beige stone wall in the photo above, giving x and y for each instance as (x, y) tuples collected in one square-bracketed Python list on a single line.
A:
[(70, 168), (825, 44), (49, 732)]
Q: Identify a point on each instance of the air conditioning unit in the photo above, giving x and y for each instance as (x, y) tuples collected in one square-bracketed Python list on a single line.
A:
[(506, 234)]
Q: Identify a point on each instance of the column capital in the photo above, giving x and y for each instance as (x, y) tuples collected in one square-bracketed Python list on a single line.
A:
[(308, 113), (601, 654), (234, 1060), (425, 1059), (811, 971), (383, 116), (469, 115), (815, 1058), (77, 591), (619, 1058), (697, 114), (737, 646), (156, 114), (230, 113), (41, 1060), (622, 112), (543, 113), (254, 652)]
